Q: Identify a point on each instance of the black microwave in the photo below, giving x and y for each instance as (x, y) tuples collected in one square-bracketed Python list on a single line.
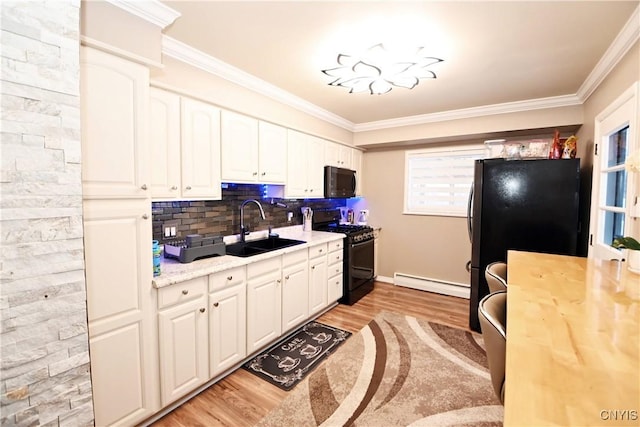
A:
[(339, 182)]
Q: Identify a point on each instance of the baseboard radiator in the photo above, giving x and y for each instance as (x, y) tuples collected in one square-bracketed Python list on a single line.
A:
[(432, 285)]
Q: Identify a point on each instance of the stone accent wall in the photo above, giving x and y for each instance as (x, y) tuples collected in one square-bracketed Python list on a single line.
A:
[(222, 217), (44, 372)]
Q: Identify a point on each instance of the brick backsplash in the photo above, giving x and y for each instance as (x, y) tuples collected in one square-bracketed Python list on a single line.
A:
[(222, 217)]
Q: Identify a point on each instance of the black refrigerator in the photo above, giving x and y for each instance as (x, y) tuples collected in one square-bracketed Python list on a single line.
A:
[(529, 205)]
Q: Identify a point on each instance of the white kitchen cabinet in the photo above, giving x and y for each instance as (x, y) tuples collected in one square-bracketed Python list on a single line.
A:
[(317, 278), (305, 166), (120, 309), (227, 319), (335, 268), (239, 139), (357, 165), (114, 114), (164, 131), (200, 133), (252, 151), (295, 289), (183, 338), (264, 303), (272, 153), (337, 155)]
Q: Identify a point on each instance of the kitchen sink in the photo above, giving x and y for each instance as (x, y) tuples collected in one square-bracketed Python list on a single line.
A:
[(256, 247)]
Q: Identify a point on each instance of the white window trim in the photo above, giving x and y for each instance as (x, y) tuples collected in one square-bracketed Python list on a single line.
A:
[(456, 150), (620, 116)]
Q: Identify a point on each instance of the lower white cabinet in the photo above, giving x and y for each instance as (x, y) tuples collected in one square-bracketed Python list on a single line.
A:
[(317, 278), (335, 269), (295, 289), (227, 319), (184, 345), (264, 303)]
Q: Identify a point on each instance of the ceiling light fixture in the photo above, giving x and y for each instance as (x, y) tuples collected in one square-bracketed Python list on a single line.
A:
[(377, 70)]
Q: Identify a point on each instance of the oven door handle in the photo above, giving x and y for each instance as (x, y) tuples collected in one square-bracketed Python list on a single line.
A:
[(355, 245)]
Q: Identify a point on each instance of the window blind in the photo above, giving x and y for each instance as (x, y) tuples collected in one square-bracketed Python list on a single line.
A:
[(437, 181)]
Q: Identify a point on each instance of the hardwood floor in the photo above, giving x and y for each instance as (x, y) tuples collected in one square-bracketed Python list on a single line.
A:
[(242, 399)]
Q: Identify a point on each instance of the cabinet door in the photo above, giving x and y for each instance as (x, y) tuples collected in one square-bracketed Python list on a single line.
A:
[(200, 150), (239, 147), (315, 167), (317, 284), (114, 112), (296, 185), (272, 153), (120, 307), (227, 327), (164, 132), (334, 289), (356, 165), (295, 295), (264, 306), (332, 154), (184, 348)]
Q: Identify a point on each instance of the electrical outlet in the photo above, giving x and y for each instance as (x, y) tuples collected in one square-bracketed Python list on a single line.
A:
[(169, 229)]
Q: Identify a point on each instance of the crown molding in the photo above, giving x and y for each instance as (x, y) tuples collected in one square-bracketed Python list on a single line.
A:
[(185, 53), (152, 11), (625, 39), (465, 113)]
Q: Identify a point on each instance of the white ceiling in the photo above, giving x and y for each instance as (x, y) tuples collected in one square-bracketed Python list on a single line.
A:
[(493, 52)]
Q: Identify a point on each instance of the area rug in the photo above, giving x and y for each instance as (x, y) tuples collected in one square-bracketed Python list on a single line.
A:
[(397, 371), (287, 362)]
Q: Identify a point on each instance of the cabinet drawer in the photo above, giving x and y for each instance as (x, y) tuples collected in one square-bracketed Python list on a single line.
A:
[(294, 258), (182, 292), (335, 257), (227, 278), (335, 269), (337, 244), (318, 250)]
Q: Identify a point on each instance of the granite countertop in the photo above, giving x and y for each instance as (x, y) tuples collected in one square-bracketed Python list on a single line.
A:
[(173, 271)]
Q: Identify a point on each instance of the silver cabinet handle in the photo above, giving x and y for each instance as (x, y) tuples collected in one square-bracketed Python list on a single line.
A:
[(319, 250), (215, 304), (264, 173), (185, 291), (188, 187), (145, 216), (174, 187), (286, 277), (255, 173), (144, 186), (202, 310), (278, 281), (313, 267), (229, 277)]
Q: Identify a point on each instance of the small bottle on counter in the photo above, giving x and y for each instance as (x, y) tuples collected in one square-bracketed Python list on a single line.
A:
[(156, 257)]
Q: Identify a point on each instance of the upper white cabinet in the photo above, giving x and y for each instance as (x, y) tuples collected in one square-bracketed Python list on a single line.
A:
[(305, 166), (272, 153), (164, 132), (252, 151), (115, 148), (200, 150), (239, 147), (356, 165), (338, 155)]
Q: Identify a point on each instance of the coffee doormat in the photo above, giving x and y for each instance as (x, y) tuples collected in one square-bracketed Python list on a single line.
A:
[(292, 358)]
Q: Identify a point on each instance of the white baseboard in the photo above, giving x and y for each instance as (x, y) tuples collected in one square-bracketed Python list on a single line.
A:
[(384, 279), (460, 290)]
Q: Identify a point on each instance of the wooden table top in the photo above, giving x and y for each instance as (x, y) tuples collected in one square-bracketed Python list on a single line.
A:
[(573, 348)]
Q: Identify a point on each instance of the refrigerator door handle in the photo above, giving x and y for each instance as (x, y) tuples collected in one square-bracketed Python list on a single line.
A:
[(469, 225)]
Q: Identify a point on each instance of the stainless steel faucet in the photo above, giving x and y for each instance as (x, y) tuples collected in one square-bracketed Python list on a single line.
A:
[(243, 231)]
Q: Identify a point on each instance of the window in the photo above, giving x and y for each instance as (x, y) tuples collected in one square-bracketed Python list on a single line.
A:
[(612, 184), (438, 180)]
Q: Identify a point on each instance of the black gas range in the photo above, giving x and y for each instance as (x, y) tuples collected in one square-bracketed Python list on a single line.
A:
[(358, 253)]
